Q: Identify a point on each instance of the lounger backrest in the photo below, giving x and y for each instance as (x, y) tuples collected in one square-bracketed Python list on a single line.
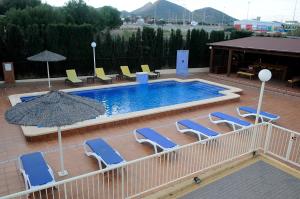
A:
[(197, 127), (105, 151), (36, 168), (156, 137), (125, 70), (71, 74), (231, 118), (100, 72), (146, 68), (252, 110)]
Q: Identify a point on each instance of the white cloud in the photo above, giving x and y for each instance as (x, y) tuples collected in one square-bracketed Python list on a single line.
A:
[(279, 10)]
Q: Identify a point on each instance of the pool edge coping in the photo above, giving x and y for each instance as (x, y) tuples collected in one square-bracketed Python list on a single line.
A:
[(32, 131)]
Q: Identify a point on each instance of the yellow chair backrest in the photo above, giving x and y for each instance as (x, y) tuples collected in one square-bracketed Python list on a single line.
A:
[(125, 70), (100, 72), (71, 74), (146, 68)]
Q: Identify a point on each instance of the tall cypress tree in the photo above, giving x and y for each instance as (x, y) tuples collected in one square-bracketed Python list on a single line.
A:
[(108, 45), (159, 48), (203, 49), (14, 42), (139, 46), (172, 49), (178, 40), (188, 40)]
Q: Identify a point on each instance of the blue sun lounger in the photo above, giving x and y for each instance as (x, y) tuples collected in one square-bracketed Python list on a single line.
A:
[(158, 141), (185, 126), (236, 123), (103, 152), (245, 111), (35, 170)]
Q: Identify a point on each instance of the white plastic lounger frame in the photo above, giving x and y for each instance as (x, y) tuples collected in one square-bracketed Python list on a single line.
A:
[(89, 152), (184, 129), (26, 178), (235, 126), (141, 140), (262, 118)]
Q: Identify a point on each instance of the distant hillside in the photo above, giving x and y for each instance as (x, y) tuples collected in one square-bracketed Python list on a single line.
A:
[(212, 16), (124, 13), (163, 9)]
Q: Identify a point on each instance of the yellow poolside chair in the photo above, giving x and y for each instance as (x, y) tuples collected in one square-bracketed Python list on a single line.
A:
[(72, 77), (145, 68), (126, 72), (100, 74)]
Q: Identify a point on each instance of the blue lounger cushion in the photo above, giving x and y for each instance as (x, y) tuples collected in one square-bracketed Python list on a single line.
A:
[(197, 127), (36, 168), (262, 113), (156, 137), (105, 151), (231, 118)]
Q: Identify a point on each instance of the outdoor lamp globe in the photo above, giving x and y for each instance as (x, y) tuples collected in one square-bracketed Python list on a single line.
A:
[(93, 44), (264, 75)]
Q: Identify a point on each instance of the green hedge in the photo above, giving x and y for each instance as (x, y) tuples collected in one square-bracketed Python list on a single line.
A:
[(73, 41)]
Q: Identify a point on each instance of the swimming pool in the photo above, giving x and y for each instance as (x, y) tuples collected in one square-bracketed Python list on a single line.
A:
[(138, 97), (126, 101)]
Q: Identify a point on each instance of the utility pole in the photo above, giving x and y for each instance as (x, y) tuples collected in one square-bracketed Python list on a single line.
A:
[(223, 17), (248, 9), (154, 20), (295, 8), (204, 16)]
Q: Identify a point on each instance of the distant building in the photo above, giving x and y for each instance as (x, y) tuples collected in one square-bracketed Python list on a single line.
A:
[(291, 25), (140, 21), (258, 26), (194, 23)]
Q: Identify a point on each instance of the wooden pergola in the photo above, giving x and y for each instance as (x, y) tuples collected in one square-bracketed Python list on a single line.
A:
[(259, 45)]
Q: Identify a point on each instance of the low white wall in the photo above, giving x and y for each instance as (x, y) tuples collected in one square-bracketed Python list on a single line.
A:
[(164, 71)]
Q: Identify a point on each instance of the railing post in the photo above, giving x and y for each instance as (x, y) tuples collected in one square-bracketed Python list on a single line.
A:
[(288, 152), (122, 186), (253, 137), (65, 190), (268, 137)]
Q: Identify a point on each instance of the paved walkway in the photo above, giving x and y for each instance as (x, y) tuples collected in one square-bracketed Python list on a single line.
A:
[(257, 181)]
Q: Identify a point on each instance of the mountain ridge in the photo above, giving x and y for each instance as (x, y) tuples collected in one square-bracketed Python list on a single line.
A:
[(163, 9)]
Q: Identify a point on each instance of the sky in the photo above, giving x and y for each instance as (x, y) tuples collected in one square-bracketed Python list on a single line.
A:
[(268, 10)]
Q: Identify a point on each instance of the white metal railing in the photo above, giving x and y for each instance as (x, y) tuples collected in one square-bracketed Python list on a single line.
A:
[(283, 144), (140, 176)]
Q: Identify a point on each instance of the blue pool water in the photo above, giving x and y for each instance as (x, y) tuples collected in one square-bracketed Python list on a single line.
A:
[(131, 98)]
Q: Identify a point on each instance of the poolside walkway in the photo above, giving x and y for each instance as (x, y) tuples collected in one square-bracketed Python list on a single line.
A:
[(13, 143)]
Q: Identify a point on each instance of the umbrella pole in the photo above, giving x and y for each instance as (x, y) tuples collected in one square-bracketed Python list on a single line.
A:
[(63, 172), (48, 75)]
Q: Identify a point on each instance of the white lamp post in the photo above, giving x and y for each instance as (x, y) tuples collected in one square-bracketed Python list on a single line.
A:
[(93, 45), (264, 76)]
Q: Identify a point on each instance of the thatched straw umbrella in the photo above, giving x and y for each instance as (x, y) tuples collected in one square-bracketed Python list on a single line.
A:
[(47, 56), (54, 109)]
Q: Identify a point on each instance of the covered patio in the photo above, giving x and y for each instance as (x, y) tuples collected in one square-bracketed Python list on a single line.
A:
[(247, 56)]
